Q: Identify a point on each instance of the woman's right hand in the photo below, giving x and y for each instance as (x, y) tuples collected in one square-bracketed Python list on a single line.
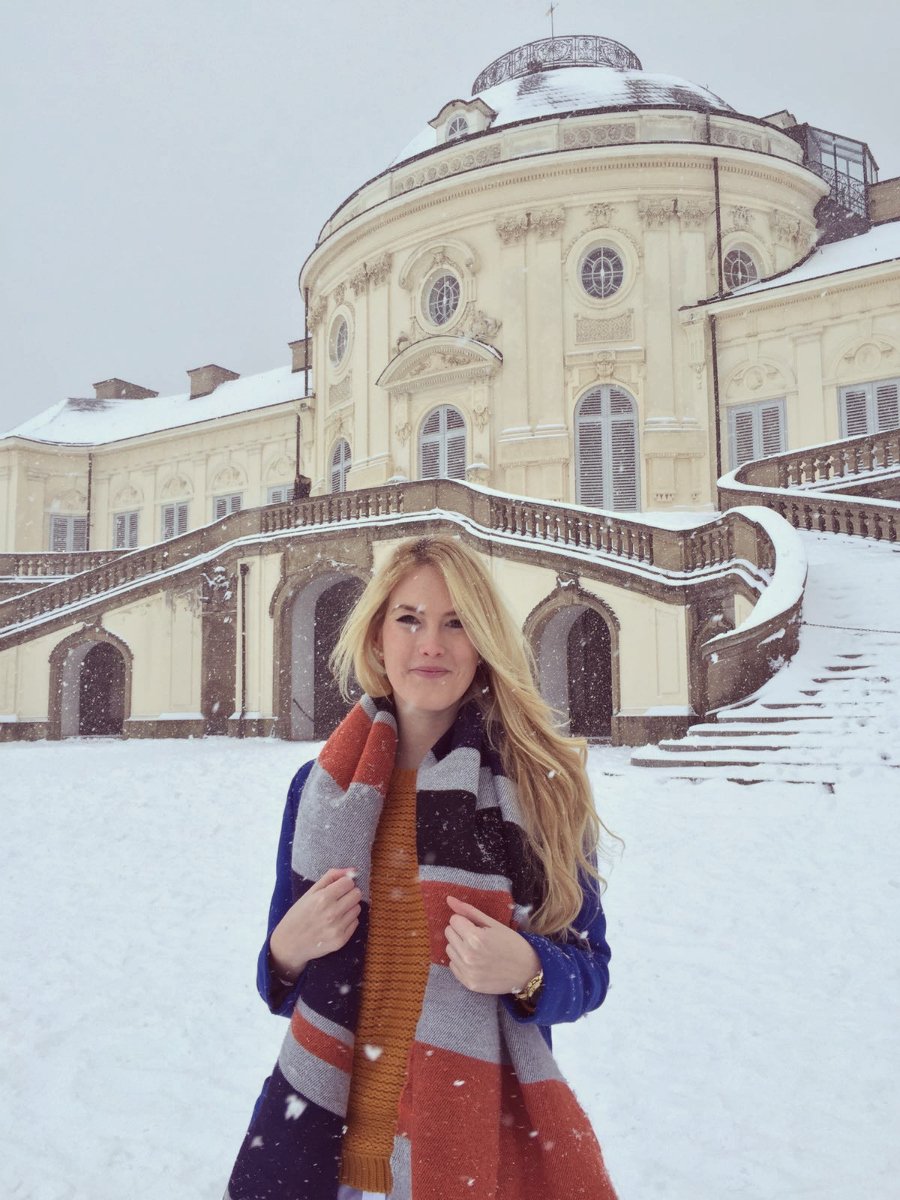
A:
[(320, 922)]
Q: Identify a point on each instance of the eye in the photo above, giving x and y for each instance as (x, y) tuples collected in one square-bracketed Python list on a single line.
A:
[(408, 619), (455, 623)]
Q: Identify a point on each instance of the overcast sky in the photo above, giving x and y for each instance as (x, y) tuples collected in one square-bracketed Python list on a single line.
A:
[(169, 164)]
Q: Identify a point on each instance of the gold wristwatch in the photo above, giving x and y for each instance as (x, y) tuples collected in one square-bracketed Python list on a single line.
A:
[(526, 995)]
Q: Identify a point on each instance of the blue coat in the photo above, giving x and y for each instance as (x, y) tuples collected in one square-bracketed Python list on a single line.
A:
[(576, 971)]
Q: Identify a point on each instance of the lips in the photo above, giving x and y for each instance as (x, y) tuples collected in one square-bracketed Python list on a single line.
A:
[(430, 672)]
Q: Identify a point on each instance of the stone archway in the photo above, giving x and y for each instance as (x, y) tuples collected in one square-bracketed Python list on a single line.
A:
[(317, 615), (575, 643), (90, 686)]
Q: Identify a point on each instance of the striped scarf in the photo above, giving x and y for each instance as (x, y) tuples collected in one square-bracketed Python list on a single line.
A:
[(485, 1113)]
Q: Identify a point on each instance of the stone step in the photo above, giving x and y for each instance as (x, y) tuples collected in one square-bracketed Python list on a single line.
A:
[(653, 756), (775, 729), (749, 743)]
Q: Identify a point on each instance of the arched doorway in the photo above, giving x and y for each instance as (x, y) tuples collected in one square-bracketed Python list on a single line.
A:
[(101, 692), (575, 657), (90, 686), (317, 617)]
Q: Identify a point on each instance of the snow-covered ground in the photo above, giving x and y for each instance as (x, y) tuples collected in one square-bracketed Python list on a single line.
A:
[(748, 1047)]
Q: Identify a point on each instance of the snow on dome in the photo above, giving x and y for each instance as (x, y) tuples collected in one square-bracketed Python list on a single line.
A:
[(527, 91)]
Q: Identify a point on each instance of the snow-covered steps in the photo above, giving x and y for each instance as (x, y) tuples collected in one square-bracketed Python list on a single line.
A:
[(830, 711)]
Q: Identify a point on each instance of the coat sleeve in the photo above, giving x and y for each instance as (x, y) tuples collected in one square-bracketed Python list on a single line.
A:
[(280, 997), (576, 969)]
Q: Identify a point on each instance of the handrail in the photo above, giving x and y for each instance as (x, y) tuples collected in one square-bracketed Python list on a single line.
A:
[(799, 485), (634, 543)]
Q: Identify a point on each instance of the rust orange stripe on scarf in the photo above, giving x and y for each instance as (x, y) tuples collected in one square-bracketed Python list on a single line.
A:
[(322, 1045), (438, 912), (360, 751)]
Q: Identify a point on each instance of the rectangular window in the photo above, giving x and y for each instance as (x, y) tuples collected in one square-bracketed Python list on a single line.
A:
[(223, 505), (68, 534), (756, 431), (174, 520), (280, 495), (126, 536), (870, 407)]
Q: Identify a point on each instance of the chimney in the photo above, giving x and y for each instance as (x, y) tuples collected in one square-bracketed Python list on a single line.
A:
[(206, 379), (121, 389), (301, 354)]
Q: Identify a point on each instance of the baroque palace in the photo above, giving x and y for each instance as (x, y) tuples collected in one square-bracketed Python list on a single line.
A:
[(618, 336)]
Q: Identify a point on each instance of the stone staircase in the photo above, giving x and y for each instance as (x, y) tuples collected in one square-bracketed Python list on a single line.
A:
[(832, 710)]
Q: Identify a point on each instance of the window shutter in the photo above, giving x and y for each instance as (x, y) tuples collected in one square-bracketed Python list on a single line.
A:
[(79, 533), (743, 442), (456, 456), (59, 534), (132, 529), (430, 458), (855, 412), (624, 465), (886, 404), (121, 541), (772, 432), (433, 424), (236, 503), (221, 508), (182, 518), (168, 521), (590, 462)]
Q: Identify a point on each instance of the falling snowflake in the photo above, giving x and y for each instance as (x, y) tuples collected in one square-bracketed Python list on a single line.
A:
[(373, 1053), (256, 1144), (533, 1133), (458, 1082), (294, 1107), (344, 989), (550, 774)]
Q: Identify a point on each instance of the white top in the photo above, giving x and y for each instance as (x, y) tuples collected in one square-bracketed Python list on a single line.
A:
[(880, 244)]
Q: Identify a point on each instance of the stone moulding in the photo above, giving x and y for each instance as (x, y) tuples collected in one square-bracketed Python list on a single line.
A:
[(477, 157), (438, 360), (339, 392), (586, 136)]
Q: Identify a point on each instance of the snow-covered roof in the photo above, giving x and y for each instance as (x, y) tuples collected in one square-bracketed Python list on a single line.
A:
[(573, 89), (878, 245), (88, 422)]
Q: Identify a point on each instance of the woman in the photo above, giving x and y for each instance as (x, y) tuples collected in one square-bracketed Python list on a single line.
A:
[(436, 909)]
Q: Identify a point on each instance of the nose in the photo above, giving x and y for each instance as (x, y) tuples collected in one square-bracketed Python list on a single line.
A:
[(429, 644)]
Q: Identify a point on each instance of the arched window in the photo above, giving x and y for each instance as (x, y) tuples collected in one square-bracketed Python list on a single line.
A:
[(442, 445), (606, 450), (340, 465), (457, 128), (739, 269)]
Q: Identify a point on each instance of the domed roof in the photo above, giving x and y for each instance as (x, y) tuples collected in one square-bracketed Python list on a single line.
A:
[(572, 74)]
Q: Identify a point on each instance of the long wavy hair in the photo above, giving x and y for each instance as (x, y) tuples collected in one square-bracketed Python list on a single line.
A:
[(549, 769)]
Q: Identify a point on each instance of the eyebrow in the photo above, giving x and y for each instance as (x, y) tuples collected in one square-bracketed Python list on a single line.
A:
[(411, 608)]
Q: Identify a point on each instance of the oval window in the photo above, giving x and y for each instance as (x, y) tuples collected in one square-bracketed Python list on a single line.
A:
[(602, 272), (443, 299)]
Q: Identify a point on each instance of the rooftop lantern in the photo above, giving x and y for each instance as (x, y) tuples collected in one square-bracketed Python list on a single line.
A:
[(549, 54)]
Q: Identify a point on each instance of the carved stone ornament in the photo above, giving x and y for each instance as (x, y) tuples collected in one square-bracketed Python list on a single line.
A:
[(604, 329), (600, 215), (786, 229), (584, 136), (735, 137), (483, 328), (339, 295), (403, 432), (338, 393), (127, 497), (219, 590), (317, 311), (868, 356), (548, 221), (605, 363), (339, 426), (741, 216), (439, 360), (444, 165), (228, 477), (481, 415), (359, 280), (655, 214), (511, 229), (753, 377), (694, 214), (379, 271)]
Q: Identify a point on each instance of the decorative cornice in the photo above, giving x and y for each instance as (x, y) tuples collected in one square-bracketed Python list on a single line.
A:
[(379, 271), (439, 360), (739, 139), (317, 311), (693, 214), (359, 280), (481, 156), (547, 221), (512, 228), (580, 137)]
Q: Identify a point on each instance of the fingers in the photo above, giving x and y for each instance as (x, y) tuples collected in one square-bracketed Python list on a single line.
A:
[(332, 875), (475, 915)]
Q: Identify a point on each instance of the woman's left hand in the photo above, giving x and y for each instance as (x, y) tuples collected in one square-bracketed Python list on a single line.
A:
[(486, 956)]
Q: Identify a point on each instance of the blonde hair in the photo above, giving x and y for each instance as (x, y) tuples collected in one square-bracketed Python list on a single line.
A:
[(549, 769)]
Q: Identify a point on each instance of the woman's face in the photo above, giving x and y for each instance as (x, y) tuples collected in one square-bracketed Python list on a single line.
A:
[(429, 659)]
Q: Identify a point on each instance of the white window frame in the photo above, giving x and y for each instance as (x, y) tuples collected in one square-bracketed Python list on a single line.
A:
[(178, 512), (223, 506), (461, 122), (73, 529), (727, 268), (611, 426), (125, 530), (879, 400), (431, 284), (442, 438), (617, 272), (763, 444)]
